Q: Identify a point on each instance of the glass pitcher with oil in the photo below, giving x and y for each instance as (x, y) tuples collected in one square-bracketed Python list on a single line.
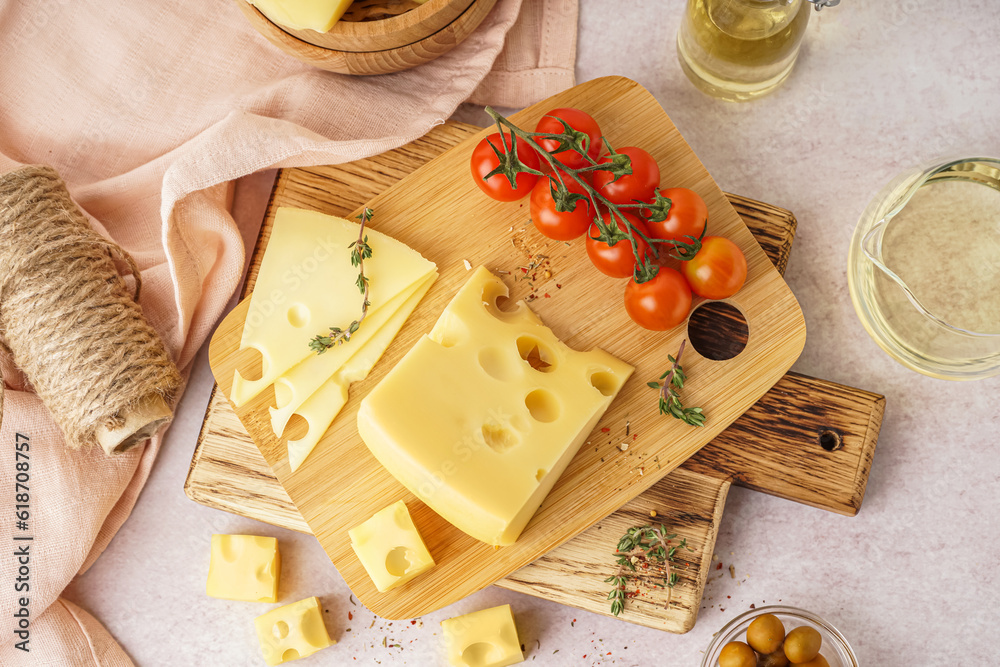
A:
[(924, 269), (742, 49)]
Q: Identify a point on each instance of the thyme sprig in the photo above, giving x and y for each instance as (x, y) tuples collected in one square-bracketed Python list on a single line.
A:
[(618, 228), (670, 400), (643, 544), (360, 251)]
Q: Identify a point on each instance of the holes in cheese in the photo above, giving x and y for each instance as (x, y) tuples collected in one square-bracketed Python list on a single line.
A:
[(604, 382), (543, 405), (475, 429), (291, 632), (390, 548), (497, 364), (396, 563), (498, 437), (485, 638), (298, 315), (535, 354)]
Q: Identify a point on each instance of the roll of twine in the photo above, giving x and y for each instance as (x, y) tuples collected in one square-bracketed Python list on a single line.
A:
[(69, 321)]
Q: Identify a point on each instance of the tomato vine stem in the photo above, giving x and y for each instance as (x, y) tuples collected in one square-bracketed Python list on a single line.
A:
[(620, 165)]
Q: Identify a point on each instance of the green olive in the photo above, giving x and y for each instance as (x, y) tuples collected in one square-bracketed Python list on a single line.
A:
[(765, 634), (776, 659), (818, 661), (737, 654), (802, 644)]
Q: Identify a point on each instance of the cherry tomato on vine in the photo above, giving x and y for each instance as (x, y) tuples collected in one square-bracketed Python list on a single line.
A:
[(687, 217), (618, 260), (719, 269), (639, 185), (579, 121), (484, 160), (555, 224), (659, 304)]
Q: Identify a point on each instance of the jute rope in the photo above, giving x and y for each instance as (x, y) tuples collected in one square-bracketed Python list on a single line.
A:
[(68, 320)]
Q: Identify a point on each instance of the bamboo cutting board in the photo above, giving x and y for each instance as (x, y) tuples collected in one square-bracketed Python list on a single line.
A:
[(434, 210), (775, 447)]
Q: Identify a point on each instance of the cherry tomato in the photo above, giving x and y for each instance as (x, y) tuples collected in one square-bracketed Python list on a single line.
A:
[(659, 304), (579, 121), (559, 225), (639, 185), (618, 260), (484, 160), (688, 216), (718, 270)]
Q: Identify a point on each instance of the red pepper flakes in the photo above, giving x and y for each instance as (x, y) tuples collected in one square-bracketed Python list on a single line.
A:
[(753, 606), (558, 286), (719, 566), (605, 430), (413, 622), (350, 616), (547, 296)]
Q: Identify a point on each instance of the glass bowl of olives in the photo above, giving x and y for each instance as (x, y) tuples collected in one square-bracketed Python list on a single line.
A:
[(779, 636)]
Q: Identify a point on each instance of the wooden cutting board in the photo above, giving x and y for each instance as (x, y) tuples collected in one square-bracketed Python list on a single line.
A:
[(774, 447), (439, 212)]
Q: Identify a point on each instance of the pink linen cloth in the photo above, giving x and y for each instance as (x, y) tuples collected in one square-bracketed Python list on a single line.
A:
[(148, 110)]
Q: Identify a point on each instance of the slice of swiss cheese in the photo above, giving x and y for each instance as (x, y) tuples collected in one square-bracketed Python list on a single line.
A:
[(306, 285), (482, 415), (322, 406), (293, 388)]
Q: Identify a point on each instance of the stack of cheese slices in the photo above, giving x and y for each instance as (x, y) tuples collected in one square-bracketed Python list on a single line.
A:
[(306, 285)]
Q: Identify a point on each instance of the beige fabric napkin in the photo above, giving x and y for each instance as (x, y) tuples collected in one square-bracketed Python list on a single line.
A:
[(147, 110), (537, 59)]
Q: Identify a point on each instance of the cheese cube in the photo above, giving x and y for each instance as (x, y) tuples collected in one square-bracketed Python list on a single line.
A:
[(482, 416), (293, 631), (390, 547), (486, 638), (244, 567), (318, 15)]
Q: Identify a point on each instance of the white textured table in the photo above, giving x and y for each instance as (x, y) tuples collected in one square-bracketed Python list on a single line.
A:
[(912, 580)]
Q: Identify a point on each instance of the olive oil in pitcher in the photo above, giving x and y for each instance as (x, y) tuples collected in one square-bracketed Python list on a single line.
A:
[(742, 49), (924, 269)]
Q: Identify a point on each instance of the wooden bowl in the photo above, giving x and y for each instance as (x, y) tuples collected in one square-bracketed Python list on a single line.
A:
[(378, 36)]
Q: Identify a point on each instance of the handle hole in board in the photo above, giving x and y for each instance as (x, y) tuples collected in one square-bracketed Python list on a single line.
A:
[(830, 440), (718, 330)]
